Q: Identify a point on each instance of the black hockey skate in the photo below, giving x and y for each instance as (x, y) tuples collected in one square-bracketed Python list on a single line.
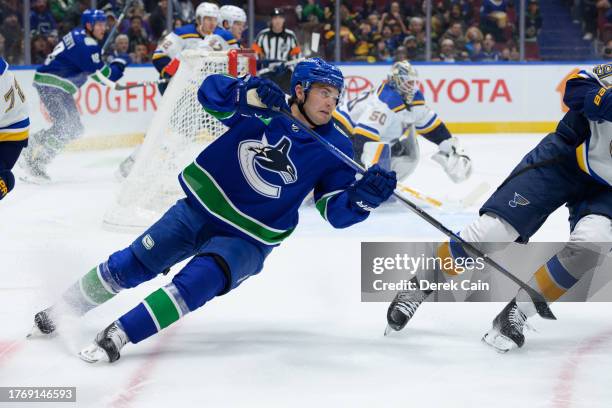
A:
[(44, 324), (507, 331), (107, 345), (403, 307)]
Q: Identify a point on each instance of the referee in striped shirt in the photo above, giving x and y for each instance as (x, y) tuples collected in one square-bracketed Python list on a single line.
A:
[(277, 44)]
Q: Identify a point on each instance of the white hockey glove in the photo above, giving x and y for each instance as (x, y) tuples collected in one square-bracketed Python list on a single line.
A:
[(454, 160)]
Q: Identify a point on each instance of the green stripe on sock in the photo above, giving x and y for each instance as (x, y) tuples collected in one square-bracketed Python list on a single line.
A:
[(93, 288), (163, 308)]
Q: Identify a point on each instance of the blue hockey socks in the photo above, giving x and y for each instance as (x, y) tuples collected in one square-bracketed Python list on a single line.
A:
[(199, 281)]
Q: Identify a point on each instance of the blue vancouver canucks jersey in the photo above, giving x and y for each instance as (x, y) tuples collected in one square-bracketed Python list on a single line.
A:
[(73, 59), (255, 176)]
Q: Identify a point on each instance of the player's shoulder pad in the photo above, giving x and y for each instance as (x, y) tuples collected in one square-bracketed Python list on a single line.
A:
[(390, 97), (187, 31), (225, 34), (90, 42)]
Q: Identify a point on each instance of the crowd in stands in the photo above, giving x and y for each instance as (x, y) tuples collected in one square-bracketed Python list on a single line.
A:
[(371, 30)]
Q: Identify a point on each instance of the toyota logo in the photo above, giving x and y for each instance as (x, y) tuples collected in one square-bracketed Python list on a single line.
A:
[(356, 84)]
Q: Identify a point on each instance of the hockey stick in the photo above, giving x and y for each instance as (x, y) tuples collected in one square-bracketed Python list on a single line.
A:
[(111, 35), (538, 300), (120, 87)]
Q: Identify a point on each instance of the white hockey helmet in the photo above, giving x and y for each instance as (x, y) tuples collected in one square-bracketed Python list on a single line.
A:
[(403, 78), (231, 14), (207, 10)]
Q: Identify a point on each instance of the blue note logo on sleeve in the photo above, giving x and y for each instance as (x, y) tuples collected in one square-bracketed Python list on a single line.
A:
[(258, 159)]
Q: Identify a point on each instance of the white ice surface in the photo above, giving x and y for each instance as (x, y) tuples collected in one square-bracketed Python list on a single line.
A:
[(296, 335)]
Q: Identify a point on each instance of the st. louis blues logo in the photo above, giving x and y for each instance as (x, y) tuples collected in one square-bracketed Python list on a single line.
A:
[(255, 155), (518, 200)]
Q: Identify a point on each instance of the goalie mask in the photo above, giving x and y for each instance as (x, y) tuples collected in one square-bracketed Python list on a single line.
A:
[(603, 73), (403, 78)]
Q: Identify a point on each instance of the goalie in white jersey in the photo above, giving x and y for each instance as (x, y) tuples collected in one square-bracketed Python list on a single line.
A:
[(384, 122), (14, 126)]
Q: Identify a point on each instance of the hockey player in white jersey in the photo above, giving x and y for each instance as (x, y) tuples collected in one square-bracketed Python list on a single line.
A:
[(166, 57), (571, 166), (14, 126), (384, 123), (232, 23)]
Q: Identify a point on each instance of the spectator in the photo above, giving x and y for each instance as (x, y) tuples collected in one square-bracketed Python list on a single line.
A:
[(2, 43), (369, 8), (606, 53), (494, 17), (447, 51), (373, 20), (389, 39), (383, 54), (416, 28), (312, 12), (13, 39), (510, 54), (473, 36), (136, 33), (364, 48), (488, 52), (533, 21), (183, 10), (460, 13), (401, 54), (111, 21), (40, 49), (413, 50), (157, 20), (455, 33), (121, 45), (141, 54), (61, 8), (588, 11), (41, 19)]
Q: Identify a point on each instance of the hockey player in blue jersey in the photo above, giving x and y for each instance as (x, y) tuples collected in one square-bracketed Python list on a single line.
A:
[(75, 58), (572, 166), (14, 126), (243, 194)]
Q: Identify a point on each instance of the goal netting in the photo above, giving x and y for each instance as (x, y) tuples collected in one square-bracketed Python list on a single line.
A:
[(179, 130)]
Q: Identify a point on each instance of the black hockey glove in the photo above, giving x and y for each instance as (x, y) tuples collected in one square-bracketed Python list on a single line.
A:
[(374, 188)]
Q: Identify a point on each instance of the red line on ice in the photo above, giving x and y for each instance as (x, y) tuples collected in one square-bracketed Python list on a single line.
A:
[(140, 377), (563, 390), (8, 348)]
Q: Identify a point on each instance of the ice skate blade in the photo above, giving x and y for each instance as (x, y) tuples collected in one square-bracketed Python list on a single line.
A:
[(35, 333), (498, 342), (389, 330), (93, 353), (30, 179)]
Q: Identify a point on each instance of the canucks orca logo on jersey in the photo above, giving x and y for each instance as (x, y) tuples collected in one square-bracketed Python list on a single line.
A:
[(255, 155)]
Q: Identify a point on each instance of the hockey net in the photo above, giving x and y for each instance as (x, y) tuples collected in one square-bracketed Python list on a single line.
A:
[(179, 130)]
